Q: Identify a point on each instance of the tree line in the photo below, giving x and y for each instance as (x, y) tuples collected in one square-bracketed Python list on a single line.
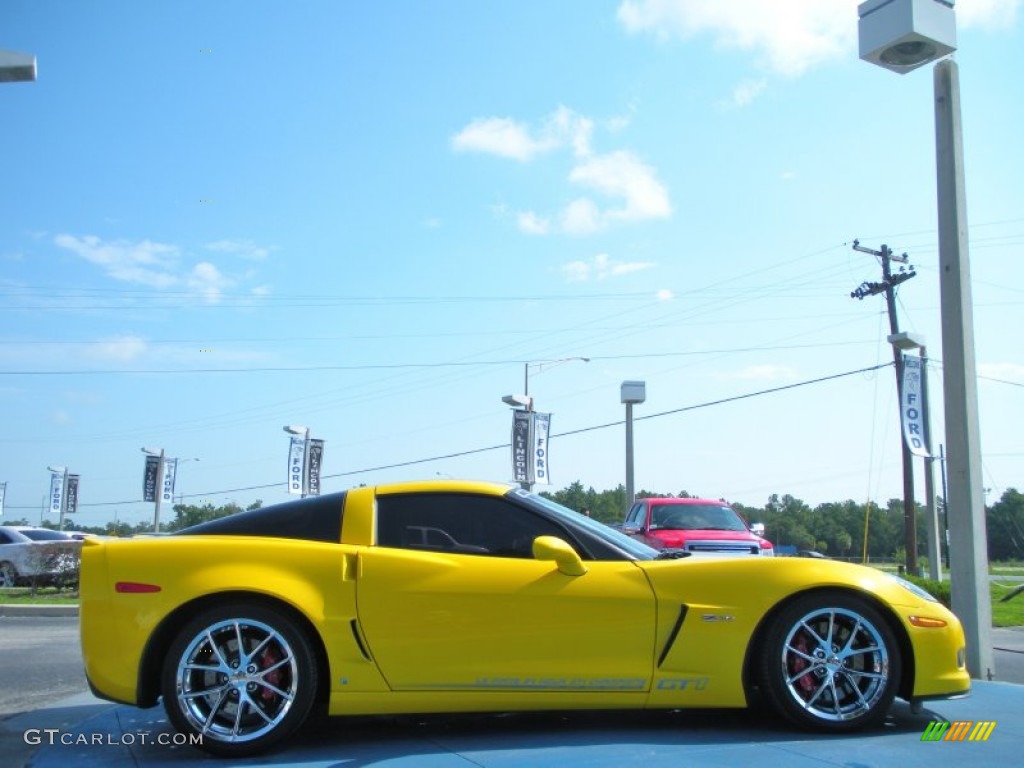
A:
[(834, 528)]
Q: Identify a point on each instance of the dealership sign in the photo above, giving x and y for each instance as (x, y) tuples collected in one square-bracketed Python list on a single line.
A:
[(530, 432), (912, 406)]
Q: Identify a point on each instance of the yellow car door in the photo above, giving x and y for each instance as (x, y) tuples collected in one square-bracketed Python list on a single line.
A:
[(452, 598)]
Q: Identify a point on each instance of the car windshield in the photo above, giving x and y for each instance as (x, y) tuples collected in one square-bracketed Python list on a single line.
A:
[(695, 517), (632, 547)]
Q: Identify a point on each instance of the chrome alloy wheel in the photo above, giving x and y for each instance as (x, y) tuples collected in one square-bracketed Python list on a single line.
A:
[(236, 680), (835, 664)]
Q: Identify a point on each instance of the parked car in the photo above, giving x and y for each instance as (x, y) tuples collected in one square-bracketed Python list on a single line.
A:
[(37, 555), (696, 526), (448, 596)]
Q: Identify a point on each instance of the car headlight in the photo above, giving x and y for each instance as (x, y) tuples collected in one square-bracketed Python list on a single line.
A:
[(914, 589)]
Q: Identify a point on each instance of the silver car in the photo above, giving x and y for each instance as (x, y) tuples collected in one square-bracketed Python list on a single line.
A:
[(37, 555)]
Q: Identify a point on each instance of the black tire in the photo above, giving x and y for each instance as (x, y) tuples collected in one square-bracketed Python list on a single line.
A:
[(242, 676), (830, 663)]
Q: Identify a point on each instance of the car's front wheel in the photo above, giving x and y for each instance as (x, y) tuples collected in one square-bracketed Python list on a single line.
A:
[(830, 662), (239, 678)]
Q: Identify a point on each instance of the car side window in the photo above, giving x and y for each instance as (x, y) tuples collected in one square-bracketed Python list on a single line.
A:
[(460, 523), (635, 518)]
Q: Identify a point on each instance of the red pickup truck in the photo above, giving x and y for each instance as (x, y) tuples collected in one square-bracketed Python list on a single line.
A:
[(695, 525)]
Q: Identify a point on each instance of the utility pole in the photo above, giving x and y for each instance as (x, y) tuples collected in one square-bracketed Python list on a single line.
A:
[(888, 287)]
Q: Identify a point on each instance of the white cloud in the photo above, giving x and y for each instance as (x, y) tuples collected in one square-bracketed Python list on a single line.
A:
[(532, 224), (988, 14), (499, 136), (143, 262), (505, 137), (119, 348), (580, 217), (788, 37), (245, 249), (746, 91), (664, 295), (618, 175), (601, 267), (206, 280), (157, 264), (622, 175)]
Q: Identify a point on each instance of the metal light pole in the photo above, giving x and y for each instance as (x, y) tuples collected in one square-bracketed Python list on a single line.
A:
[(631, 393), (901, 35)]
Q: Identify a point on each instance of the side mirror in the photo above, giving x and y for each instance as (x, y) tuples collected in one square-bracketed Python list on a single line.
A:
[(757, 529), (554, 548)]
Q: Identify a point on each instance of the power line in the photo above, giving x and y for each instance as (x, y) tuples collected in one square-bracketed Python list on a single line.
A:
[(473, 451)]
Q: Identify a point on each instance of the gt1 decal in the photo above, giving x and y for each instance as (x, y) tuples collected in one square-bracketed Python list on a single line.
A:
[(712, 617), (682, 683)]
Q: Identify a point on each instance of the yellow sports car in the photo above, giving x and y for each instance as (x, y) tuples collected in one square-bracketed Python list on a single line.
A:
[(450, 596)]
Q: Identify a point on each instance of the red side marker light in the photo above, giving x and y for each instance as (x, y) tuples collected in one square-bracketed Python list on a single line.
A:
[(134, 587)]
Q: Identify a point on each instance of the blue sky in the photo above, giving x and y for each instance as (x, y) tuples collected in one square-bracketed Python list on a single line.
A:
[(367, 218)]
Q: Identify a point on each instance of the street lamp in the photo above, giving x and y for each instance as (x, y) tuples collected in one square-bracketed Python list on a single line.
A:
[(631, 393), (530, 430), (903, 342), (17, 67), (293, 466), (540, 365), (901, 35)]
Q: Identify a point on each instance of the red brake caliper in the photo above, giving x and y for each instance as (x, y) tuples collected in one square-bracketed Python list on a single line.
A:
[(270, 658), (799, 664)]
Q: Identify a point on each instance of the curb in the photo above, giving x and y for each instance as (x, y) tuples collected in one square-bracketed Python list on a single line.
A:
[(6, 609)]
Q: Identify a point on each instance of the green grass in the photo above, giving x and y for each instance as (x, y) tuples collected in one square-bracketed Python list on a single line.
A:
[(1010, 613), (43, 596)]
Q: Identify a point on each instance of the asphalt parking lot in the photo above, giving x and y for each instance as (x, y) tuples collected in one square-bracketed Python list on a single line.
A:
[(90, 732)]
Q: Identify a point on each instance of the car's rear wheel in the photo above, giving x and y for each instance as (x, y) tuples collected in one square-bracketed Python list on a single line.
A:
[(241, 677), (830, 662), (8, 575)]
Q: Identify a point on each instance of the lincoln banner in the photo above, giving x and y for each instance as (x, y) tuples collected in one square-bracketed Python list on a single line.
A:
[(316, 459), (522, 469), (149, 478), (71, 505)]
